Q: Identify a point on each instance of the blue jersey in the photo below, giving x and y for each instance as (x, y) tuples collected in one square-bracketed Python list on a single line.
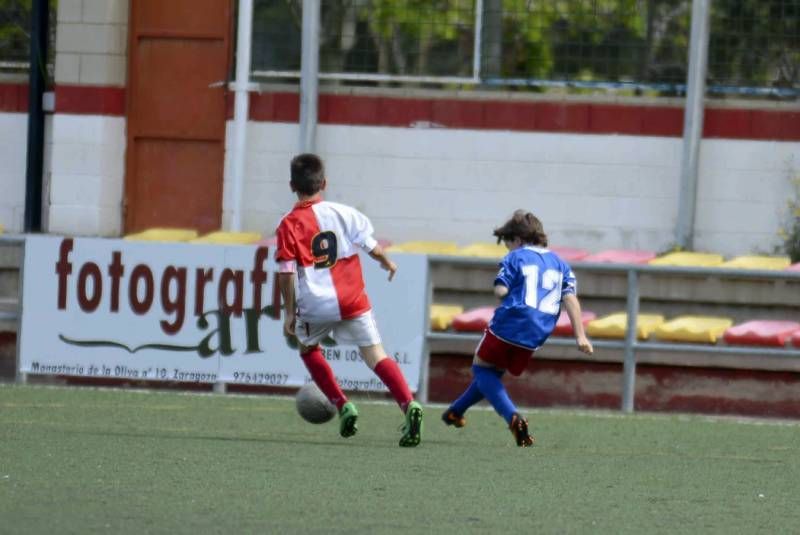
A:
[(536, 279)]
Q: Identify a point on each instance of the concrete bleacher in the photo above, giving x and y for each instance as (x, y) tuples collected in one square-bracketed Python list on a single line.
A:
[(10, 262), (714, 296), (468, 281)]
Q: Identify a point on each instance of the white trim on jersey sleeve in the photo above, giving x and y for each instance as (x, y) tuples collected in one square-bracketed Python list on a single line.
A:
[(369, 244)]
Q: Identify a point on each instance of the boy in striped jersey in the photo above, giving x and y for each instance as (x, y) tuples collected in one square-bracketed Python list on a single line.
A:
[(533, 284), (318, 243)]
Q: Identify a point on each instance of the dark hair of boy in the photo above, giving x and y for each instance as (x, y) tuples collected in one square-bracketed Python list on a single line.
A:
[(525, 226), (308, 174)]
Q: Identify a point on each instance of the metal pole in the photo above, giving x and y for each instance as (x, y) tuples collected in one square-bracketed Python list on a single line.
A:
[(425, 365), (309, 71), (478, 42), (241, 108), (20, 376), (693, 122), (629, 363), (36, 85)]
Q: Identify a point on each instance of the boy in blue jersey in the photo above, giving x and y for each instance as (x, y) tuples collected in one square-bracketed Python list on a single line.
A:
[(533, 284)]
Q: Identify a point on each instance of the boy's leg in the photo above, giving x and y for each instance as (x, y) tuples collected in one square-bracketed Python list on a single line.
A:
[(454, 415), (470, 397), (323, 376), (491, 386), (389, 372)]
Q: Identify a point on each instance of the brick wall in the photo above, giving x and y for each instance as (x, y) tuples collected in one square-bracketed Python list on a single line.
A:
[(85, 173), (592, 191), (13, 147), (92, 42)]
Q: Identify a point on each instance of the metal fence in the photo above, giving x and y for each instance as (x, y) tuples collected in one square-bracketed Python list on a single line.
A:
[(633, 45), (631, 345), (15, 27)]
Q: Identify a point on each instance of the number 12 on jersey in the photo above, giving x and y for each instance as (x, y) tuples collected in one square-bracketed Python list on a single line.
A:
[(550, 282)]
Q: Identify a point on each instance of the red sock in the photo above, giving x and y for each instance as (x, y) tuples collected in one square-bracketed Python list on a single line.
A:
[(389, 372), (322, 374)]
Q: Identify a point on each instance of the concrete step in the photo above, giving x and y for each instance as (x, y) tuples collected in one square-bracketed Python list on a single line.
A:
[(11, 255)]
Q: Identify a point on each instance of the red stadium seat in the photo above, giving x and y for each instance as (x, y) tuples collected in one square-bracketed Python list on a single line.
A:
[(794, 267), (564, 327), (796, 339), (570, 254), (473, 320), (762, 333), (621, 256)]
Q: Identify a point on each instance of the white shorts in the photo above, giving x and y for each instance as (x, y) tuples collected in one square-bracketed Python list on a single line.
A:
[(360, 331)]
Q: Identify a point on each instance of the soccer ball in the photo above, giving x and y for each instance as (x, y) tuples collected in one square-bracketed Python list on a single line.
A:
[(313, 406)]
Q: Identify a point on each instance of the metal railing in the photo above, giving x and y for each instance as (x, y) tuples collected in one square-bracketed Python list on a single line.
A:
[(637, 46), (630, 345)]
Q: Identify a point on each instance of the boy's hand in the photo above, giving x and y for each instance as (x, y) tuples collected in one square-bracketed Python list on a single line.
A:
[(289, 324), (584, 345), (389, 266)]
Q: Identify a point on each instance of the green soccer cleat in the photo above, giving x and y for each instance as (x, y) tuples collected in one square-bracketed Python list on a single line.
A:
[(519, 428), (412, 429), (348, 415)]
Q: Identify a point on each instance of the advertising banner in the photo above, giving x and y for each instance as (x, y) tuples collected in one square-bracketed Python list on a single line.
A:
[(193, 313)]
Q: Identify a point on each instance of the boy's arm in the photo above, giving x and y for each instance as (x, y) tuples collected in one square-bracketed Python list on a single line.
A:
[(377, 253), (573, 308), (286, 284)]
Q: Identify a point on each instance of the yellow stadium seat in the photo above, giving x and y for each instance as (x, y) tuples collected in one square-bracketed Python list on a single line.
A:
[(425, 247), (613, 325), (688, 259), (442, 316), (484, 250), (703, 329), (228, 238), (774, 263), (163, 234), (2, 229)]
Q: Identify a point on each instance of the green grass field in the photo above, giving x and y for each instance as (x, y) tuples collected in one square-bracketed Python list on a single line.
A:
[(113, 461)]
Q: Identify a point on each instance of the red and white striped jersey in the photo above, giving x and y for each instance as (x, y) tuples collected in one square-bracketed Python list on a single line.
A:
[(319, 240)]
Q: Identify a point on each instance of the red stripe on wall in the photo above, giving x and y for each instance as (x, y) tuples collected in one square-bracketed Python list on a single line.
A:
[(14, 98), (90, 100), (567, 117), (367, 110)]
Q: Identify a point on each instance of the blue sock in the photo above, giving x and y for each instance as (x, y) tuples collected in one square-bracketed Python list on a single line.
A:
[(491, 386), (470, 397)]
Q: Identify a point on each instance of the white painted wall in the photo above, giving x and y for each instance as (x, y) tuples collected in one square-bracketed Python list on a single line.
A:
[(13, 147), (86, 174), (591, 191)]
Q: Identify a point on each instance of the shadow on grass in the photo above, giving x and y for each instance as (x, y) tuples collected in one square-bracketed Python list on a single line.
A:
[(263, 440)]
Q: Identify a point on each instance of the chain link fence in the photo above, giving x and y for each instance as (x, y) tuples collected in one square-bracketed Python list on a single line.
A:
[(15, 27), (631, 45)]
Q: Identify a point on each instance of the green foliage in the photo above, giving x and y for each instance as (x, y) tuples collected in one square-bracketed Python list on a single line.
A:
[(14, 29), (753, 42), (791, 232), (15, 22)]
